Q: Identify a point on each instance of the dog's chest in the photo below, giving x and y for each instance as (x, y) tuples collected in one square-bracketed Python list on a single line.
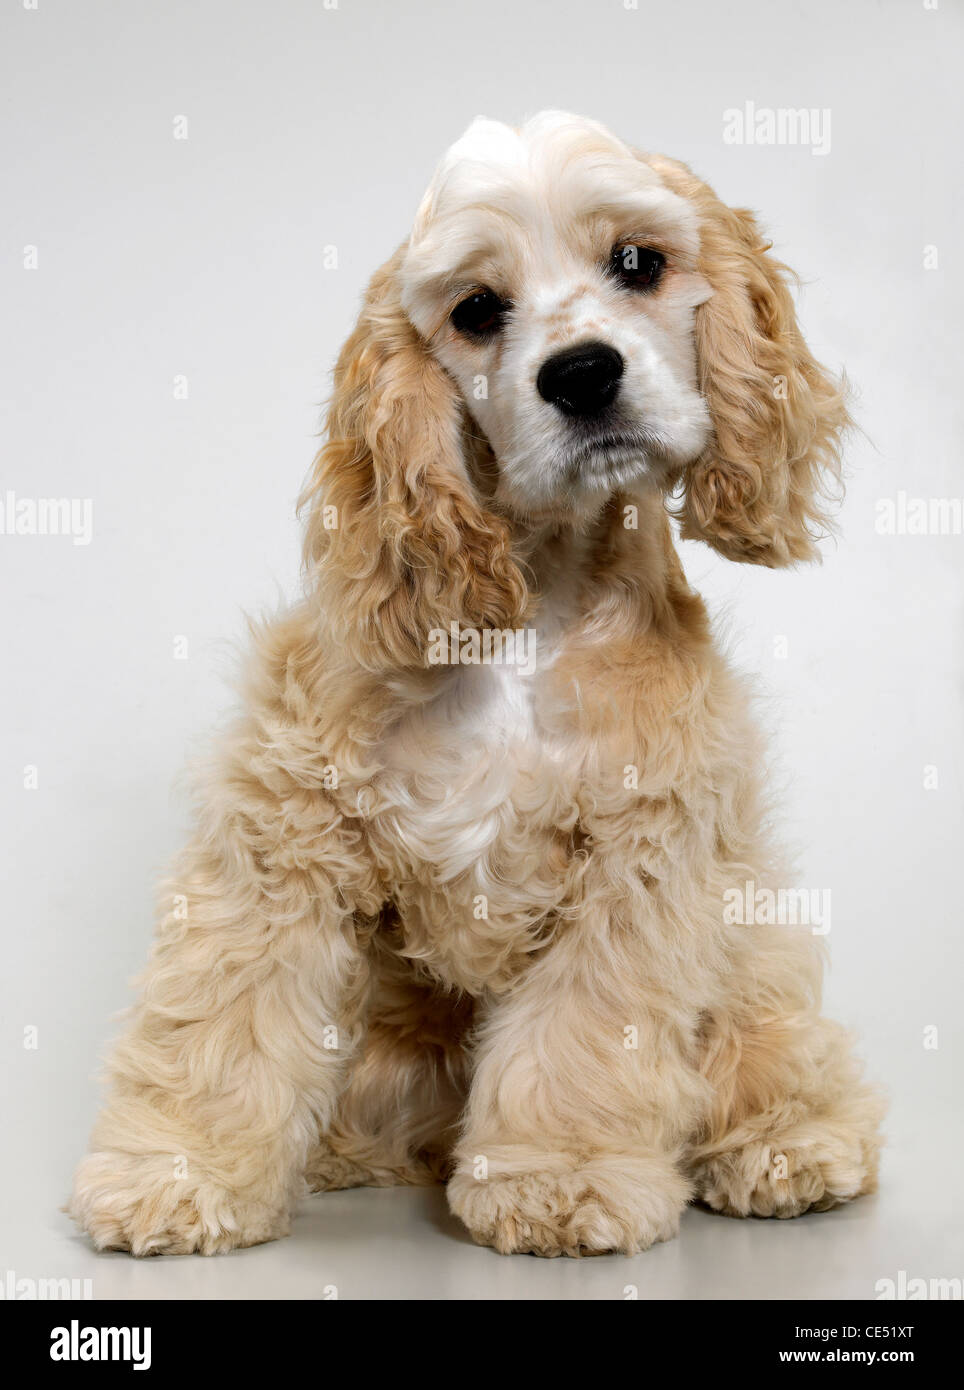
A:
[(478, 823), (475, 762)]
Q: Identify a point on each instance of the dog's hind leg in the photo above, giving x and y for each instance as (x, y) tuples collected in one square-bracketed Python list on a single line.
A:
[(397, 1118), (252, 1007), (793, 1125)]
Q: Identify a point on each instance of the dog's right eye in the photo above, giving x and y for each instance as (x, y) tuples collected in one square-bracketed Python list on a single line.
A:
[(480, 314)]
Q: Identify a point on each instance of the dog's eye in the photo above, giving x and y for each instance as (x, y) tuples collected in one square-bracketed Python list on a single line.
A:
[(637, 266), (480, 315)]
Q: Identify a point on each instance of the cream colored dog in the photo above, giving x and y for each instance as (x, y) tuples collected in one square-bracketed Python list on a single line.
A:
[(452, 914)]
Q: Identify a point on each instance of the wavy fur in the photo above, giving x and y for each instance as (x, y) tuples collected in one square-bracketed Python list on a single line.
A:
[(464, 922)]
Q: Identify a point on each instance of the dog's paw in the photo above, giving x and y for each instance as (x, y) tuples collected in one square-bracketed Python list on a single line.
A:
[(329, 1172), (608, 1205), (770, 1179), (150, 1206)]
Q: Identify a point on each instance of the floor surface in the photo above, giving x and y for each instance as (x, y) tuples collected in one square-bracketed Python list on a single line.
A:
[(402, 1243)]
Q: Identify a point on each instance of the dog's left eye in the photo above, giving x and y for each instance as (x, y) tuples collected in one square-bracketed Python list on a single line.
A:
[(637, 266), (480, 314)]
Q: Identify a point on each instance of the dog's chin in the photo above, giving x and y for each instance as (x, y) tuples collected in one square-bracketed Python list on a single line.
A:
[(604, 468), (584, 482)]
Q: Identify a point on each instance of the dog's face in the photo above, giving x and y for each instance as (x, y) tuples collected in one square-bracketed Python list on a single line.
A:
[(554, 277), (568, 321)]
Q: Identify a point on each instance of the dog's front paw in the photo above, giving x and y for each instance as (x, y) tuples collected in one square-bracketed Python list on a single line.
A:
[(768, 1178), (155, 1205), (612, 1204)]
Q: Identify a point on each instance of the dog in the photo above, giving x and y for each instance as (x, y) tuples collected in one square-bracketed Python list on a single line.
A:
[(462, 919)]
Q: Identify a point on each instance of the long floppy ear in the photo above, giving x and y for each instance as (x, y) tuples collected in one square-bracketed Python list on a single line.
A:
[(396, 540), (760, 490)]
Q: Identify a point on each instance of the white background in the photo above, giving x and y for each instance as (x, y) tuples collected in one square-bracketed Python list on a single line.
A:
[(309, 128)]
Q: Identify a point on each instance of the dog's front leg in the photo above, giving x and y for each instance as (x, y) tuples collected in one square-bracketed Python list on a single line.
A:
[(250, 1009), (583, 1092)]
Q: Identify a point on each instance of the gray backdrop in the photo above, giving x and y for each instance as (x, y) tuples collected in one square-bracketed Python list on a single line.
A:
[(175, 177)]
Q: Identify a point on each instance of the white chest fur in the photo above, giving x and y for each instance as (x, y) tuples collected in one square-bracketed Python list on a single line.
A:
[(480, 807)]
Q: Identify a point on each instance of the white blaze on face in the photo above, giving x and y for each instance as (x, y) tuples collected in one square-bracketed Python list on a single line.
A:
[(534, 216)]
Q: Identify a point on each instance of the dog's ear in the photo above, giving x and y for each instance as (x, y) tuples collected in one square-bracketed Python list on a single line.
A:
[(761, 489), (396, 539)]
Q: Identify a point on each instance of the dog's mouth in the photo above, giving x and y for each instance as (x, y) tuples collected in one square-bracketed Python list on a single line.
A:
[(592, 465), (612, 460)]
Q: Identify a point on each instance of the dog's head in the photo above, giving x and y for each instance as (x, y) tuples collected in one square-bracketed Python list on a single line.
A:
[(569, 318)]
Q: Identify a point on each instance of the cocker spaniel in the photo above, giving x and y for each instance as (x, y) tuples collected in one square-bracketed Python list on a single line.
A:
[(456, 905)]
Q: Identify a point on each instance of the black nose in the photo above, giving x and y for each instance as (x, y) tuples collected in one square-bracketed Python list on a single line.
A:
[(582, 380)]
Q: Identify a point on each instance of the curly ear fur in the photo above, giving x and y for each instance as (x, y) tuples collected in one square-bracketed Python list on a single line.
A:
[(760, 490), (408, 547)]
